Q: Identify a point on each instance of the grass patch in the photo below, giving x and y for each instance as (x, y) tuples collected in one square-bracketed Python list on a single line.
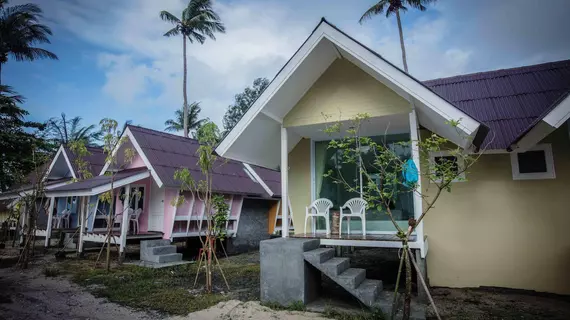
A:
[(51, 272), (168, 290)]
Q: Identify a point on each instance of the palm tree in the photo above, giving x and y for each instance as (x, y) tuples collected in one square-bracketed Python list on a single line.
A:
[(20, 30), (177, 124), (198, 21), (65, 131), (395, 6)]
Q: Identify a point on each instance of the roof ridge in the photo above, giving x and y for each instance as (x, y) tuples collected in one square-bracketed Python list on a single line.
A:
[(162, 133)]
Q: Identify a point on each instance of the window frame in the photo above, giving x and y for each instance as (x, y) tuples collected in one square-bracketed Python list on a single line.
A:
[(548, 157), (460, 164)]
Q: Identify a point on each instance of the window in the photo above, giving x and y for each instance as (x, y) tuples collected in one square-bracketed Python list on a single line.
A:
[(536, 163), (456, 164), (328, 159)]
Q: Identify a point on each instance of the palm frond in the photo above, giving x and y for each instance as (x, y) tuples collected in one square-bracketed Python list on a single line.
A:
[(377, 8), (172, 32), (169, 17)]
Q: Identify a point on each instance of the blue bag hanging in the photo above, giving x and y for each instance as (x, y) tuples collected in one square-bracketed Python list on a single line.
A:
[(410, 173)]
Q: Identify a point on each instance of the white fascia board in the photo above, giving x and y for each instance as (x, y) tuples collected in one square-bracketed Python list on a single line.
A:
[(60, 150), (100, 189), (68, 163), (402, 80), (139, 152), (270, 91), (540, 131), (559, 114), (258, 178)]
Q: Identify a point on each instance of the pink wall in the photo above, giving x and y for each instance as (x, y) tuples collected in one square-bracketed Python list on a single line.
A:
[(136, 163)]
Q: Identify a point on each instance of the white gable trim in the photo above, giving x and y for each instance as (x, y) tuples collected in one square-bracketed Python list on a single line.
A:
[(140, 152), (552, 121), (258, 179), (361, 55), (99, 189), (559, 114), (60, 151)]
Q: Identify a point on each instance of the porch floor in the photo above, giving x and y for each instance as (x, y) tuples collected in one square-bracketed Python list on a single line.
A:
[(357, 240), (140, 235)]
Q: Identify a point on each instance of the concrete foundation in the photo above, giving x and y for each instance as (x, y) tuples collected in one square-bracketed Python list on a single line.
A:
[(422, 265), (285, 276), (252, 227)]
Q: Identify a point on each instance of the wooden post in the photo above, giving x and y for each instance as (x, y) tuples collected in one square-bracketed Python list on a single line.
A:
[(284, 184), (49, 222), (81, 225), (125, 221), (414, 135)]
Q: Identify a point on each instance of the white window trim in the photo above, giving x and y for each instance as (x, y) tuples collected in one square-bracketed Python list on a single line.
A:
[(460, 163), (549, 174)]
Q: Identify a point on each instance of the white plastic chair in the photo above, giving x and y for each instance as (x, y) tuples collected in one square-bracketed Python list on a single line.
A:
[(63, 217), (357, 208), (134, 218), (319, 208)]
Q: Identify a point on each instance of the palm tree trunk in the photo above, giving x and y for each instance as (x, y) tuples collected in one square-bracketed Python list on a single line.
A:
[(184, 88), (402, 41)]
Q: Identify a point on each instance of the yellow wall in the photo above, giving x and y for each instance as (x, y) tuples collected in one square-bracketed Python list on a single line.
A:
[(300, 182), (344, 86), (494, 231)]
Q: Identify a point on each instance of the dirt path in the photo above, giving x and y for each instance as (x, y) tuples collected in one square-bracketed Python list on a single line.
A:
[(31, 295)]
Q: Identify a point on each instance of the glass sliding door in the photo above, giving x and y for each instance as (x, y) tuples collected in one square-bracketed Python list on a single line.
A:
[(329, 160)]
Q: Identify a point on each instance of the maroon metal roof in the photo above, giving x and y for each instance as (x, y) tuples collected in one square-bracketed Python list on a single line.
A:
[(272, 178), (96, 159), (508, 101), (168, 153)]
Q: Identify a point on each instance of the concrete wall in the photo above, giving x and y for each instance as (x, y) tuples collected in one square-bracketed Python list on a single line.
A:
[(344, 86), (300, 182), (495, 231), (252, 226)]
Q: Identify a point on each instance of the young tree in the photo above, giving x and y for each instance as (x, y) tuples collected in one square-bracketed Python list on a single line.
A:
[(197, 23), (216, 210), (242, 102), (194, 122), (20, 31), (390, 175), (112, 138), (396, 6)]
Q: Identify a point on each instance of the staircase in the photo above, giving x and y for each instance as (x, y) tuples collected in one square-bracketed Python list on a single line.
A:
[(159, 251), (368, 291)]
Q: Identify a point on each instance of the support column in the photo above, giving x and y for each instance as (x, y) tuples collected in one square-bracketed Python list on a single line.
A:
[(82, 224), (284, 184), (49, 222), (125, 221), (414, 135), (23, 223)]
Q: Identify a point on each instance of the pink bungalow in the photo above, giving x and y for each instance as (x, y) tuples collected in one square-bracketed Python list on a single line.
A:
[(251, 193)]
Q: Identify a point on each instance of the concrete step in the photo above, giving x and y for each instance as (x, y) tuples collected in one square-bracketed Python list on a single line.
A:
[(351, 278), (368, 291), (155, 243), (163, 250), (319, 255), (335, 266), (164, 258)]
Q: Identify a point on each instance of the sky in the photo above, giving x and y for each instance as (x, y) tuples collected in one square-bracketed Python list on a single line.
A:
[(115, 62)]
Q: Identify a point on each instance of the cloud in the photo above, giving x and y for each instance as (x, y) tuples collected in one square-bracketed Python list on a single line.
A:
[(143, 69)]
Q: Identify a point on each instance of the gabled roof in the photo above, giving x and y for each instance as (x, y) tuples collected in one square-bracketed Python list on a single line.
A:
[(256, 137), (166, 153), (95, 159), (509, 101), (99, 184)]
